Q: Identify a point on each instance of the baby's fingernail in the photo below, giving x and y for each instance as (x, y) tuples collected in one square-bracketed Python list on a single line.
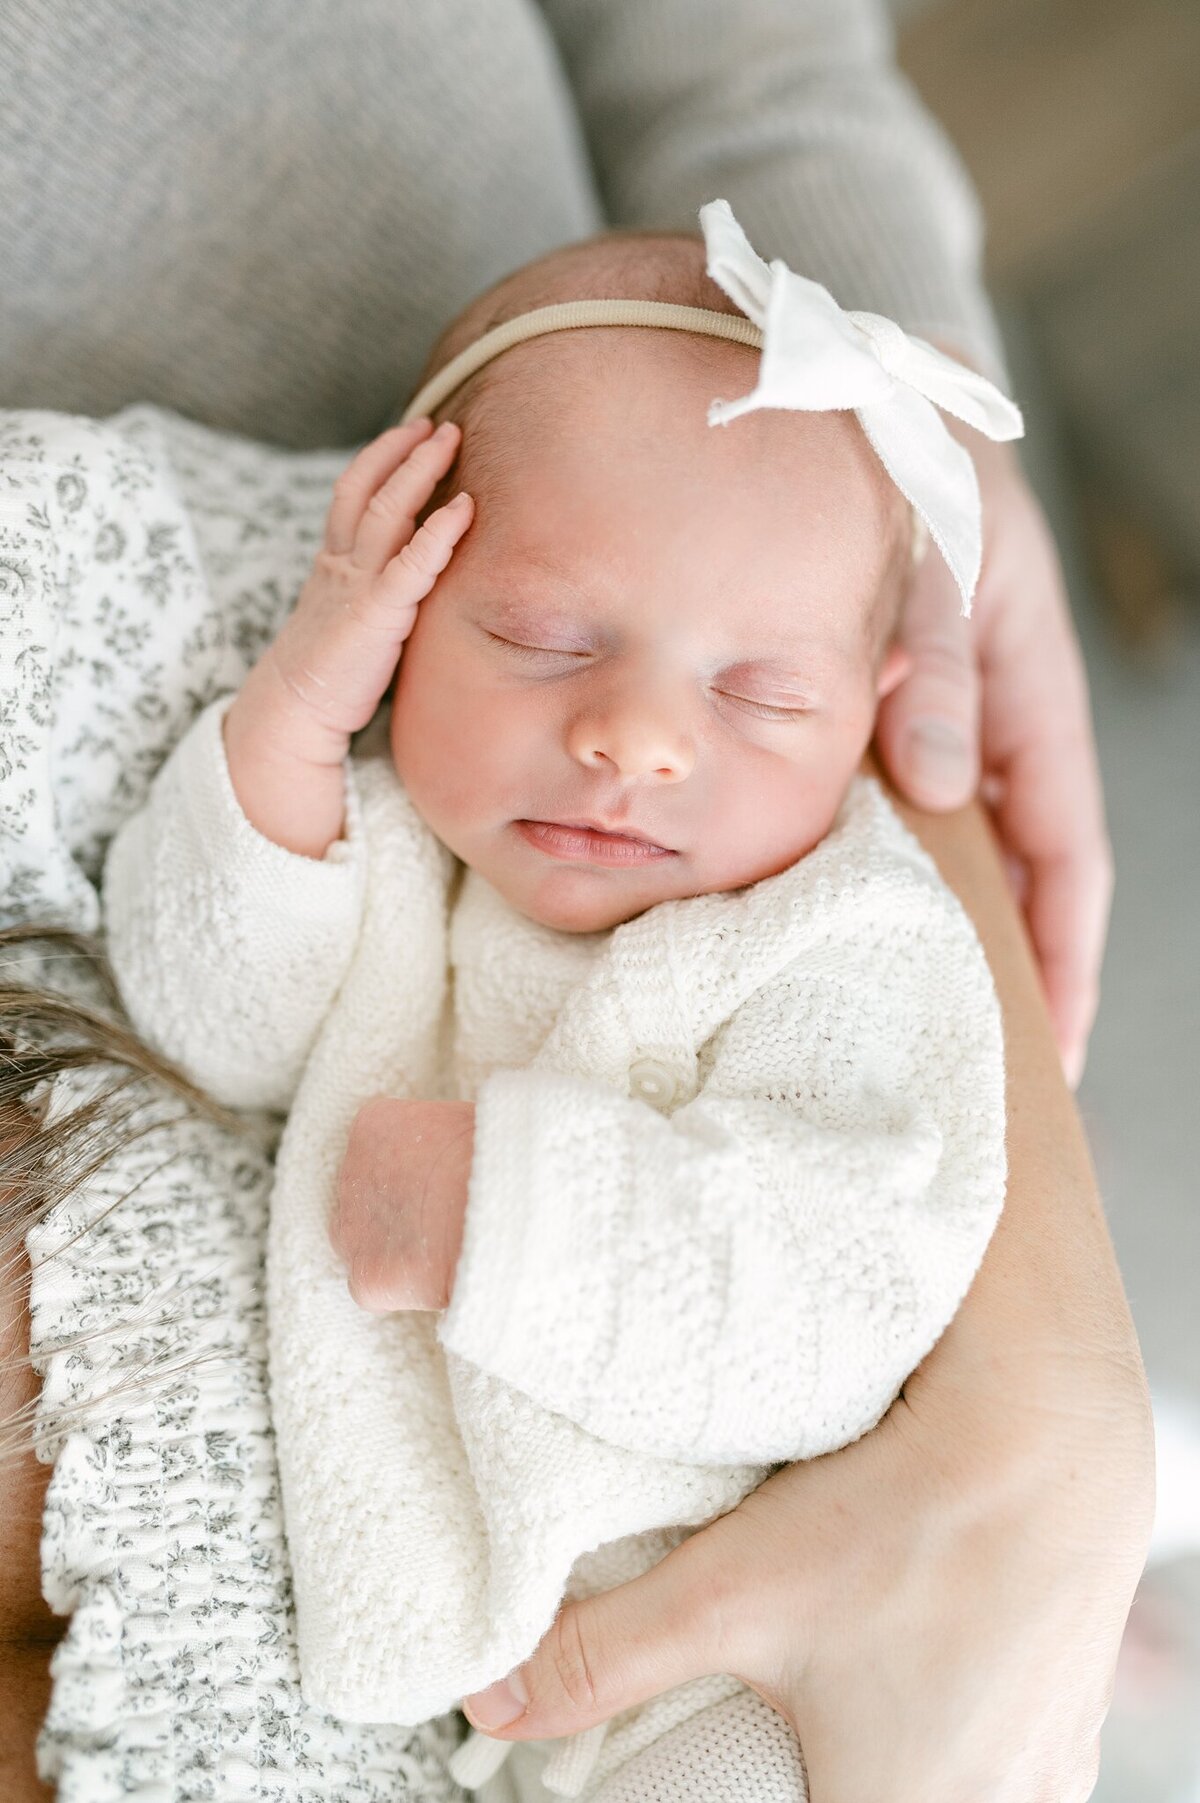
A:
[(462, 500), (937, 756), (499, 1705)]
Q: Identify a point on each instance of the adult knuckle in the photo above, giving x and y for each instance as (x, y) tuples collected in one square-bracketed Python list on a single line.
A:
[(714, 1609), (574, 1664), (942, 654)]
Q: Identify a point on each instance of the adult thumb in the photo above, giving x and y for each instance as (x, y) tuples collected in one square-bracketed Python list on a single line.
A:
[(606, 1653), (928, 728)]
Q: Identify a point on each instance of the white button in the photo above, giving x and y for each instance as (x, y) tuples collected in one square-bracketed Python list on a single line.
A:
[(653, 1082)]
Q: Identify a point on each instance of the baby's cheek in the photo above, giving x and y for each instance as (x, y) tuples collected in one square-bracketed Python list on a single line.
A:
[(777, 813)]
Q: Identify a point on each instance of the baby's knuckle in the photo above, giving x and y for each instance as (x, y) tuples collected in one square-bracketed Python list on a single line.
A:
[(386, 507), (419, 557), (347, 484), (329, 567)]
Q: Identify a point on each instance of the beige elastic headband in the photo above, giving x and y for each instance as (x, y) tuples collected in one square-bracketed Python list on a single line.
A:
[(567, 316)]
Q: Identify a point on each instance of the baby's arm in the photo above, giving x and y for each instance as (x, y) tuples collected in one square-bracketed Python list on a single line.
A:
[(752, 1278), (231, 903), (321, 680)]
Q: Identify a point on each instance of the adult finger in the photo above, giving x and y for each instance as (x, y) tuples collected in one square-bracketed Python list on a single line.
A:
[(1038, 740), (928, 727), (390, 516), (363, 476), (1052, 814), (613, 1650)]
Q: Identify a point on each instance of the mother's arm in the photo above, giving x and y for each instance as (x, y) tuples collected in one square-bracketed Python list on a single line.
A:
[(937, 1608)]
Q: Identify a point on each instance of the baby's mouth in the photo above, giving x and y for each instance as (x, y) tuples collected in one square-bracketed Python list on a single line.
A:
[(583, 841)]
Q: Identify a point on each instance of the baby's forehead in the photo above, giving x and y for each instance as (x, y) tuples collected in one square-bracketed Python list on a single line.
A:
[(644, 394), (592, 462)]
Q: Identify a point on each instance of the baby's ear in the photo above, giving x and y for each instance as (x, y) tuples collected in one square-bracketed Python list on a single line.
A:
[(895, 667)]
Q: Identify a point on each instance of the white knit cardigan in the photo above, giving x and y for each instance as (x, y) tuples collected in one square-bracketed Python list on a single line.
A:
[(736, 1162)]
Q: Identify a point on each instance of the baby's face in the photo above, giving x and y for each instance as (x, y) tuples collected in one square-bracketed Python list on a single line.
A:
[(648, 670)]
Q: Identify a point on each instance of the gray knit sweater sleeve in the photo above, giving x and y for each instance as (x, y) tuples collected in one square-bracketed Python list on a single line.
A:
[(261, 213), (795, 112)]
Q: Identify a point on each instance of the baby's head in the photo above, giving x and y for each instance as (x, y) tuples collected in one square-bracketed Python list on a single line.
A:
[(674, 632)]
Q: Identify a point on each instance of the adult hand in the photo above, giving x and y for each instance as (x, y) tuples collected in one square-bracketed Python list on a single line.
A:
[(1004, 695), (936, 1615)]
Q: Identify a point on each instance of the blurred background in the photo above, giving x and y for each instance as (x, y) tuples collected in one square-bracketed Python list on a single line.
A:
[(1080, 123)]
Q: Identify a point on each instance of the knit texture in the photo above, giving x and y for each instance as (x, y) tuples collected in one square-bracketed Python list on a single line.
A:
[(736, 1163), (263, 214)]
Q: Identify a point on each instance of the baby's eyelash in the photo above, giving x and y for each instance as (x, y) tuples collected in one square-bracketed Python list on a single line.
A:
[(533, 650), (763, 709)]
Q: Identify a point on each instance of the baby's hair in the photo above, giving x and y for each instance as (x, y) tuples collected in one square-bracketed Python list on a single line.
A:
[(629, 265)]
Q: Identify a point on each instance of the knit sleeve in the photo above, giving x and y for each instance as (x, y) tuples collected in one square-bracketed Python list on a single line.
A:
[(227, 949), (795, 112), (751, 1278)]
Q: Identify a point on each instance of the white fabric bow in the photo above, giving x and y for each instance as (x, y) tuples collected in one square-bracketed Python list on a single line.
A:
[(816, 357)]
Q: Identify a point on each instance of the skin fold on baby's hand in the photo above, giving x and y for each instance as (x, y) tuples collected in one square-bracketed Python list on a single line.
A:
[(321, 679), (400, 1201)]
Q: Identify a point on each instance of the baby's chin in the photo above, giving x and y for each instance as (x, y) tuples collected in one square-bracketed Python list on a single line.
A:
[(581, 902)]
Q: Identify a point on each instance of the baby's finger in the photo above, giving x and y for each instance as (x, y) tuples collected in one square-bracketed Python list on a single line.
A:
[(391, 513), (415, 568), (364, 476)]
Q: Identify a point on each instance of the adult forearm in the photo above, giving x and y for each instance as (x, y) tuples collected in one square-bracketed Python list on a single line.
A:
[(1045, 1329)]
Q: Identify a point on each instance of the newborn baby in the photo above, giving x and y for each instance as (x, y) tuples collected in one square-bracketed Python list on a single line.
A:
[(701, 1062)]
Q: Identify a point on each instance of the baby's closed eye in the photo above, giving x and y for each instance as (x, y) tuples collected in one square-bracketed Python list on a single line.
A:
[(795, 710), (520, 649)]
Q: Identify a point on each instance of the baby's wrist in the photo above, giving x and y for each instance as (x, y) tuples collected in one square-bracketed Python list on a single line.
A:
[(295, 800)]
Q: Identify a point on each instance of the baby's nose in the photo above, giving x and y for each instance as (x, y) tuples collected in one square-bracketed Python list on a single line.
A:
[(632, 743)]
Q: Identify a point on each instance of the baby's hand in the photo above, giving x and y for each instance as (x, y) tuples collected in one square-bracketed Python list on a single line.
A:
[(322, 678), (400, 1202)]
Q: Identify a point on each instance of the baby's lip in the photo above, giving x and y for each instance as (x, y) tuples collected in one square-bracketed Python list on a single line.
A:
[(592, 825), (609, 844)]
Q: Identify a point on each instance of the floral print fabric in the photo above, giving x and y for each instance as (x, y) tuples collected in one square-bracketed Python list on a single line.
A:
[(144, 562)]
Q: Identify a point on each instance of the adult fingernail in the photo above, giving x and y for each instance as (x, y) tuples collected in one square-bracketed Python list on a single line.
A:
[(498, 1705), (937, 756)]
